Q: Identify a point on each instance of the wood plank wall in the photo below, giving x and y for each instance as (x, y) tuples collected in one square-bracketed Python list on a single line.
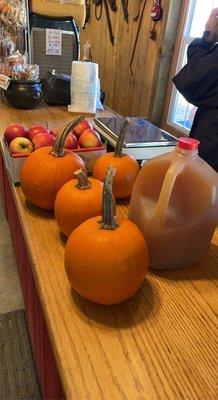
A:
[(127, 94)]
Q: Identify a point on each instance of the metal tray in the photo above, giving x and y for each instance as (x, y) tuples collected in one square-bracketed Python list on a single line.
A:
[(141, 132)]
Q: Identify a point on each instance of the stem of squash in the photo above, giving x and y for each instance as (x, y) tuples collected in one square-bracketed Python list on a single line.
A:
[(83, 182), (108, 203), (120, 140), (58, 147)]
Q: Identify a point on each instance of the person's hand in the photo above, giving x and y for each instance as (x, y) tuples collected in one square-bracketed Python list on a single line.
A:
[(212, 20)]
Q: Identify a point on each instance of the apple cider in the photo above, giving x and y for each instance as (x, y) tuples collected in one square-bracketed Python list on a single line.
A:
[(175, 204)]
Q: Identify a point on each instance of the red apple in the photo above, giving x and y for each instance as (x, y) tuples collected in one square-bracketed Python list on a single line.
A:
[(13, 131), (21, 145), (98, 136), (54, 133), (89, 138), (71, 142), (43, 139), (34, 130), (81, 128)]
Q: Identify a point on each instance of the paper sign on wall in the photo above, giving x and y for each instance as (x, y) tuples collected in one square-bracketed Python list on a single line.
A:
[(53, 42)]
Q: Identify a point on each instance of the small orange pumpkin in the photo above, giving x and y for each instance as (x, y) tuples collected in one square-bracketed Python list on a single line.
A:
[(126, 167), (48, 168), (106, 260), (77, 201)]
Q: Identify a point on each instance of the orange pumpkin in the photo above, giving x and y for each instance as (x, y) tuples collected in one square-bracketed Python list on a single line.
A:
[(106, 260), (77, 201), (48, 168), (126, 167)]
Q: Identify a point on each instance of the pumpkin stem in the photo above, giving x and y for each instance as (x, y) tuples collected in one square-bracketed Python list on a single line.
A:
[(108, 202), (58, 147), (83, 182), (120, 140)]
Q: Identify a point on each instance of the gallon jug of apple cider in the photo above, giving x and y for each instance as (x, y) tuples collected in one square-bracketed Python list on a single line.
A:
[(175, 204)]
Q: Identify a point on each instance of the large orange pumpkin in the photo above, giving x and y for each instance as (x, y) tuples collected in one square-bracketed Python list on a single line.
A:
[(48, 168), (126, 167), (77, 201), (106, 260)]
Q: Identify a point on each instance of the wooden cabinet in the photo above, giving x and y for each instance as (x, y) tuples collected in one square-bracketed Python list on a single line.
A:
[(41, 347)]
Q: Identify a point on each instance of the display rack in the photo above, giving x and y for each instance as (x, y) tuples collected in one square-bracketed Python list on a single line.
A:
[(14, 23)]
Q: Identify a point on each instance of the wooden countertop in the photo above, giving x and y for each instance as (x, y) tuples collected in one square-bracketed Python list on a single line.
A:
[(161, 344)]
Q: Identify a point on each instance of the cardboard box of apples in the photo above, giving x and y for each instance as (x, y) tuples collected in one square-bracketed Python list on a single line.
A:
[(18, 143)]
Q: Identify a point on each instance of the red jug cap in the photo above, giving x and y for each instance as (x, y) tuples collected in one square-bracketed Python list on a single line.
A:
[(187, 143)]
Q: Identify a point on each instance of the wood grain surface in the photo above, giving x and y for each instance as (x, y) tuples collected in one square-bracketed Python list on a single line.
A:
[(53, 117), (161, 344), (126, 93)]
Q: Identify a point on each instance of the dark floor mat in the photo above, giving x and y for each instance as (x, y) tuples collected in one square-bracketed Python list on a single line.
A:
[(17, 373)]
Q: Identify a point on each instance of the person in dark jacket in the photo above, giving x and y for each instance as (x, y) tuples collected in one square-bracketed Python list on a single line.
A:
[(198, 83)]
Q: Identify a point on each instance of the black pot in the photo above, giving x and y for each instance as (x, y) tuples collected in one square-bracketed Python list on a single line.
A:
[(24, 94)]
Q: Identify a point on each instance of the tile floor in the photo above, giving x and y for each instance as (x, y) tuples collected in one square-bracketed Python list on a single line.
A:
[(10, 292), (11, 300)]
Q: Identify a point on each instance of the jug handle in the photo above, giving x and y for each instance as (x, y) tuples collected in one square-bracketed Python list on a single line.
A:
[(162, 204)]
